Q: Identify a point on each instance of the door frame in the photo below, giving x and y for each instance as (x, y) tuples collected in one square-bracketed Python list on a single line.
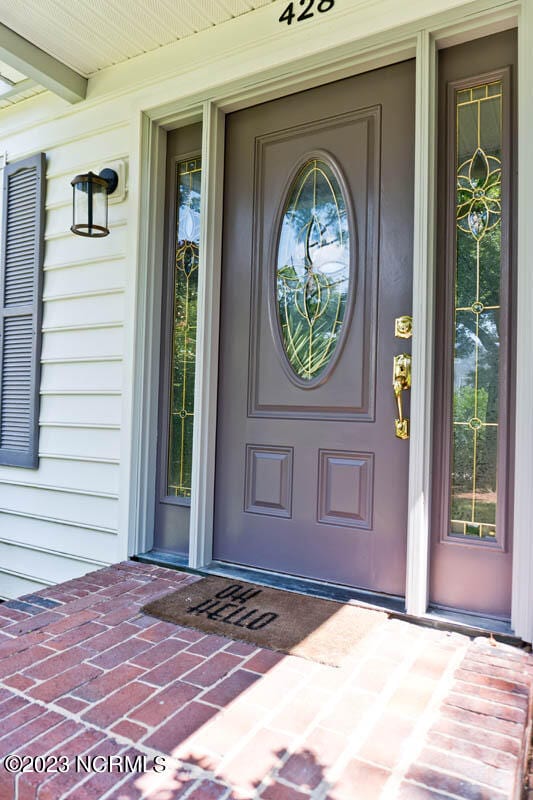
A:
[(414, 40)]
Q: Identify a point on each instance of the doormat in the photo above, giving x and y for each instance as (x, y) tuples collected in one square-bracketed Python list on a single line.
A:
[(310, 627)]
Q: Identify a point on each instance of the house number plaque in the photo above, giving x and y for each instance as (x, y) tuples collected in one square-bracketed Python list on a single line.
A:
[(308, 10)]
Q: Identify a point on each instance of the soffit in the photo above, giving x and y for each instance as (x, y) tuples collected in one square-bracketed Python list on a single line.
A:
[(90, 35), (14, 86)]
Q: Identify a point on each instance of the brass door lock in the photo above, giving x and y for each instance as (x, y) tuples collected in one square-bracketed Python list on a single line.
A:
[(403, 327)]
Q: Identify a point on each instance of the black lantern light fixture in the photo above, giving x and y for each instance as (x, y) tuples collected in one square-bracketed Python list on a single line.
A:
[(89, 202)]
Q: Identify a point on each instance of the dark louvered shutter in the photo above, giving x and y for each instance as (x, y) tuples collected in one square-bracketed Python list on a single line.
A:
[(22, 248)]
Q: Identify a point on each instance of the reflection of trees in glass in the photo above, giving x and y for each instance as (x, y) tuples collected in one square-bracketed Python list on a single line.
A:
[(311, 311), (313, 269), (489, 268), (477, 299), (184, 330), (477, 346), (462, 468)]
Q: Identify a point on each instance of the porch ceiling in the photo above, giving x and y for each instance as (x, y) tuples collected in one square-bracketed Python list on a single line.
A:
[(15, 86), (90, 35)]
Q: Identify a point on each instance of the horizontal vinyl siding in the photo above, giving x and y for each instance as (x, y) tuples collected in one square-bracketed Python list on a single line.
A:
[(104, 376), (71, 341), (15, 585), (97, 409), (91, 277), (80, 439), (61, 250), (92, 510), (62, 520), (59, 473), (42, 565), (61, 540)]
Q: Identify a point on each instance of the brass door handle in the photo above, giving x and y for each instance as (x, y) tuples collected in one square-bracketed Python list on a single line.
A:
[(401, 380)]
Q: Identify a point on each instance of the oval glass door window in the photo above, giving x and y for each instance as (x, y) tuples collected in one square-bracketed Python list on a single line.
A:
[(313, 273)]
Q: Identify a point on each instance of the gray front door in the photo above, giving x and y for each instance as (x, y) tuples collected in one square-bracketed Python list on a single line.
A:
[(311, 479)]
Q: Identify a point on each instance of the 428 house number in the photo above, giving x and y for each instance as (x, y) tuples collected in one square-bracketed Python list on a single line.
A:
[(307, 12)]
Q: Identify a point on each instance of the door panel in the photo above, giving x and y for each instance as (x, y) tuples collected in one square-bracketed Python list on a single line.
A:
[(310, 477), (339, 393), (471, 557)]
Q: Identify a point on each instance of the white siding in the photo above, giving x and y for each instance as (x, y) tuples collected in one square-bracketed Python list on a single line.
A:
[(96, 477), (62, 520), (102, 376)]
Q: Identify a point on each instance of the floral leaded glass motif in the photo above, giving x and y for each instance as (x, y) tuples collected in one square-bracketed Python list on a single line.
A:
[(184, 329), (313, 269), (477, 303)]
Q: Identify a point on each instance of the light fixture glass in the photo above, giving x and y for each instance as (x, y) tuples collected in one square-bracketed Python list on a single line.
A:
[(89, 202)]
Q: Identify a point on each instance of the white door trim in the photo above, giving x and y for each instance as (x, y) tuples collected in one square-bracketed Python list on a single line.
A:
[(522, 602), (460, 24), (151, 148), (418, 513), (206, 379)]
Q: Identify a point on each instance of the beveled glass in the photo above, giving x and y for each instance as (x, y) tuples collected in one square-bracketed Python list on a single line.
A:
[(477, 303), (313, 274), (184, 328)]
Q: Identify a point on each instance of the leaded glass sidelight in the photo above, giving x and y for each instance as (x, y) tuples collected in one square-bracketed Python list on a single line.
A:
[(477, 305), (313, 269), (184, 328)]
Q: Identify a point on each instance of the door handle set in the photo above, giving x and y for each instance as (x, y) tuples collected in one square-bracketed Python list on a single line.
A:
[(401, 375), (401, 381)]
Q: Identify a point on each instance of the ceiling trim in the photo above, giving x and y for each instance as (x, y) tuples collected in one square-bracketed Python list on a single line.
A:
[(18, 88), (41, 67)]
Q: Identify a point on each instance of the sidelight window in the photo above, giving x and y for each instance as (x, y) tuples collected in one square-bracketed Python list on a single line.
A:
[(477, 335), (185, 299)]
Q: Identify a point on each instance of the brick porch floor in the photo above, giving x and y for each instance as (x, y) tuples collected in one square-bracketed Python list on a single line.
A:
[(416, 714)]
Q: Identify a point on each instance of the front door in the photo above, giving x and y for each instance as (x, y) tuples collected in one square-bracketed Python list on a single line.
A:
[(311, 476)]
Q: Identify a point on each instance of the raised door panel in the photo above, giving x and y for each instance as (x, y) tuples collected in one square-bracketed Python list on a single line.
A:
[(335, 393)]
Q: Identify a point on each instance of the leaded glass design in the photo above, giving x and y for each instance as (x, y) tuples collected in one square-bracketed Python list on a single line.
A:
[(477, 304), (184, 328), (313, 269)]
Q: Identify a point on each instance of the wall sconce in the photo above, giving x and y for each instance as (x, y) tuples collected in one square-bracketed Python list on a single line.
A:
[(89, 202)]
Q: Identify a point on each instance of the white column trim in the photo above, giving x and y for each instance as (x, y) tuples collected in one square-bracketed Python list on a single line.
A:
[(206, 381), (522, 604), (418, 527), (141, 474)]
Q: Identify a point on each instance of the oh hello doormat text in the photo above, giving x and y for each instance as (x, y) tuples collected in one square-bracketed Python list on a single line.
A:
[(230, 605)]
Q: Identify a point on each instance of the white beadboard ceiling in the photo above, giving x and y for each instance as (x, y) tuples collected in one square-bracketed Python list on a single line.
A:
[(89, 35)]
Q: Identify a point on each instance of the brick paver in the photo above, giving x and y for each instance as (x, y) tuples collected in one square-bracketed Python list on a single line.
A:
[(141, 709)]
